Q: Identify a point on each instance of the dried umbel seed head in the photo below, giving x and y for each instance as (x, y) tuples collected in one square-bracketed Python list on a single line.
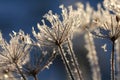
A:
[(117, 18)]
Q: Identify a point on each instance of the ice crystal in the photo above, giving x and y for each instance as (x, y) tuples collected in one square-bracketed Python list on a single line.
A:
[(104, 47)]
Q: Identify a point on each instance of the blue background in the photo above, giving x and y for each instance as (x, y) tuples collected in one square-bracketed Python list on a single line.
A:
[(23, 14)]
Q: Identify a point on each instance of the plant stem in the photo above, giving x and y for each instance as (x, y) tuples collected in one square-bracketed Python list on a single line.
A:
[(35, 77), (20, 71), (112, 62), (75, 61), (65, 62)]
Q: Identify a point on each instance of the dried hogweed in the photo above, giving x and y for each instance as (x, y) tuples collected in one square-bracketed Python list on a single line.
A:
[(38, 61), (108, 28), (58, 33), (15, 51)]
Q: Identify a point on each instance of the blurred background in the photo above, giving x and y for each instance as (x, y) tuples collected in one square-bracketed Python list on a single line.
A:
[(24, 14)]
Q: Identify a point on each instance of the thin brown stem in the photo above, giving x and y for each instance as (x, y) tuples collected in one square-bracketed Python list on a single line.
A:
[(75, 61), (65, 62), (20, 71), (113, 62), (35, 77)]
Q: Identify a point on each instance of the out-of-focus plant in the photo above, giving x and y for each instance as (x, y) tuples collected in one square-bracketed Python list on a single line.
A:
[(86, 24), (92, 56), (23, 57)]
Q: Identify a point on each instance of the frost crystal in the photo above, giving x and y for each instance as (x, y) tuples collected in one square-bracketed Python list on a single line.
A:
[(113, 5), (104, 47)]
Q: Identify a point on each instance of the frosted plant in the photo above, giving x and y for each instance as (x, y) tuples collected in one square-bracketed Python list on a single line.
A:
[(38, 61), (92, 56), (15, 51), (111, 25), (113, 5), (108, 28), (86, 13), (74, 62), (58, 33), (55, 36), (60, 30)]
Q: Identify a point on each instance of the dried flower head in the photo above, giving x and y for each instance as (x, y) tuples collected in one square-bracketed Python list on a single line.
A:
[(60, 30), (108, 25), (15, 50)]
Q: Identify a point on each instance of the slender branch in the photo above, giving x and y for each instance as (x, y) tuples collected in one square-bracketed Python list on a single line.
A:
[(75, 61), (20, 71), (113, 62), (48, 62), (65, 62)]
